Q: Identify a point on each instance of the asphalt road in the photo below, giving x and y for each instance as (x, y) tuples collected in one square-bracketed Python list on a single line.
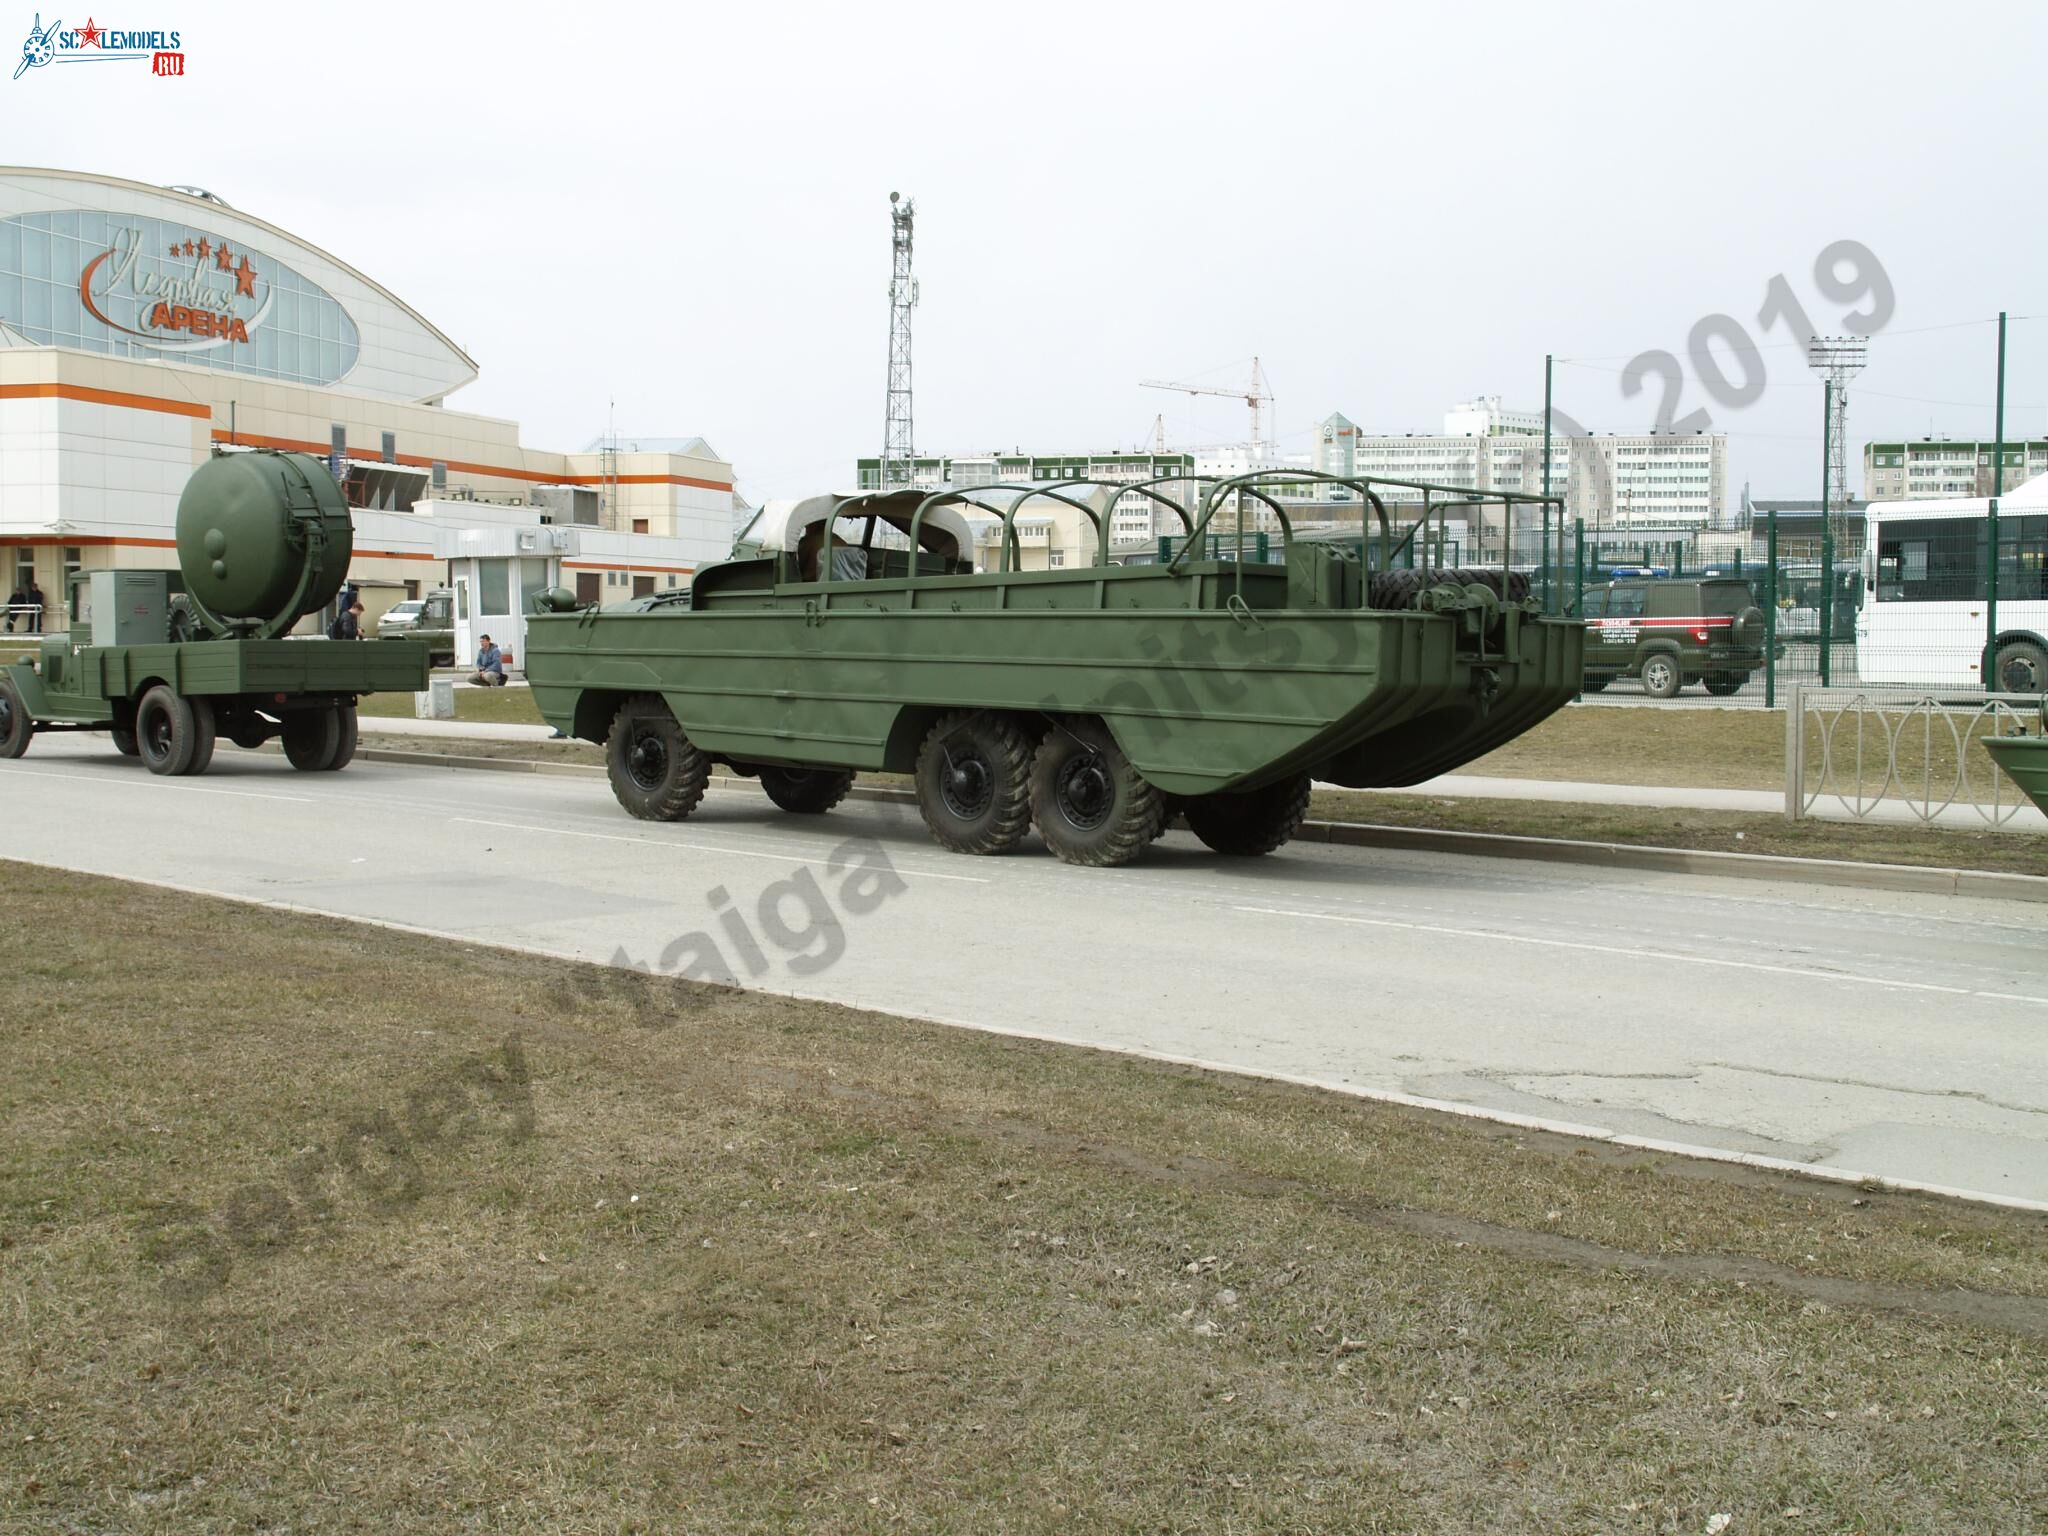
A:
[(1889, 1034)]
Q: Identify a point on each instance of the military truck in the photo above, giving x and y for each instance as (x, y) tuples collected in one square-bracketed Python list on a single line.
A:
[(176, 660), (1095, 700), (429, 620)]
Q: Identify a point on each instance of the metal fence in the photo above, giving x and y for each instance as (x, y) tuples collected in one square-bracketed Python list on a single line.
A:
[(1904, 755)]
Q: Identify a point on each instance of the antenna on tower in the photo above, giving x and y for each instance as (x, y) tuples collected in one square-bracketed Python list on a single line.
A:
[(1838, 359), (898, 451)]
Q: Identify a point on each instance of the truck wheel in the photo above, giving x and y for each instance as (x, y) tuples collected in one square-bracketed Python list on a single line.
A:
[(311, 738), (1254, 823), (124, 740), (203, 736), (2021, 667), (1091, 805), (165, 732), (15, 725), (656, 774), (345, 748), (974, 782), (806, 791), (1723, 684), (1661, 676)]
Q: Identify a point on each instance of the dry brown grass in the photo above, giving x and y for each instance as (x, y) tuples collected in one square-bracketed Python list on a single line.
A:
[(308, 1226)]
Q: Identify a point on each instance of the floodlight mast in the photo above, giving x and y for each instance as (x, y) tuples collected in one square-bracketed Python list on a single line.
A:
[(1837, 359), (899, 454)]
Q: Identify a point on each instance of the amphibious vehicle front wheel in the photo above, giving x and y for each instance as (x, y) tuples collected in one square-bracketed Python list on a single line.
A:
[(974, 782), (15, 725), (1091, 805), (1252, 823), (1661, 677), (312, 739), (656, 773), (166, 734), (806, 791)]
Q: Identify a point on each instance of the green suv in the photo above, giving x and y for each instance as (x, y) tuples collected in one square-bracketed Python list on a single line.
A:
[(1673, 631)]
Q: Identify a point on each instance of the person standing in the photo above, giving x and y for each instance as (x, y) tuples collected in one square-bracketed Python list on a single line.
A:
[(16, 601), (348, 625), (490, 666)]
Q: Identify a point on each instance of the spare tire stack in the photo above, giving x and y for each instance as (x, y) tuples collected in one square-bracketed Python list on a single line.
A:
[(1397, 590)]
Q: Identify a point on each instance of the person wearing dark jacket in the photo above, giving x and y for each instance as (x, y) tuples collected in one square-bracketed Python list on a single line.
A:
[(16, 601)]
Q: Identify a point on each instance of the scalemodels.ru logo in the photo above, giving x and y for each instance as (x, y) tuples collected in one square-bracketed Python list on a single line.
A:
[(93, 43)]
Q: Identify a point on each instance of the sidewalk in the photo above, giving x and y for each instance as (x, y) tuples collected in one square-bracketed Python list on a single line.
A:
[(1766, 802)]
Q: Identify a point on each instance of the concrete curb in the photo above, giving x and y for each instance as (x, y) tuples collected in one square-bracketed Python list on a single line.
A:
[(1915, 878)]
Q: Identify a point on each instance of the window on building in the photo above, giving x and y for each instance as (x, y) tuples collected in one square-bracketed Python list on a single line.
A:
[(494, 586), (390, 447), (68, 587), (639, 525), (643, 586)]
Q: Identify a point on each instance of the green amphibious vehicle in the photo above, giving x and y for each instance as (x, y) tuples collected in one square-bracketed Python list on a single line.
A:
[(2024, 759), (852, 632), (177, 660)]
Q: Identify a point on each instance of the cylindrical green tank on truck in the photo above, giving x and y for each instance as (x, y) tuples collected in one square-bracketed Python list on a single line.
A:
[(176, 660), (1098, 700)]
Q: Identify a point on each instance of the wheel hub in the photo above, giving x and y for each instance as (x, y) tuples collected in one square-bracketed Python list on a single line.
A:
[(967, 786), (1084, 791), (648, 761), (157, 734)]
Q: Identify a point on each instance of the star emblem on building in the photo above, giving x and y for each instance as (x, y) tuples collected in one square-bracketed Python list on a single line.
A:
[(223, 258), (89, 35), (245, 278), (205, 250), (190, 248)]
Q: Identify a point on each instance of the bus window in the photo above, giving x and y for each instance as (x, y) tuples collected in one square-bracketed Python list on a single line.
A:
[(1931, 560)]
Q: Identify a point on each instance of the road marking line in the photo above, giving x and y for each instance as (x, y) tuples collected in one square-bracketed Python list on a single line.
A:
[(658, 843), (1638, 954), (156, 781)]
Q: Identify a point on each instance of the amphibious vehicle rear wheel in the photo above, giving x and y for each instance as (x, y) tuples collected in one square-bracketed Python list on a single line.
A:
[(15, 725), (1091, 805), (656, 774), (312, 738), (974, 782), (166, 734), (806, 791), (1253, 823), (1661, 677)]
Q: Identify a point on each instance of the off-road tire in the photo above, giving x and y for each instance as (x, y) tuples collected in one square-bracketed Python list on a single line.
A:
[(805, 791), (166, 733), (1748, 630), (345, 748), (124, 740), (974, 782), (15, 726), (1722, 684), (1661, 675), (1253, 823), (312, 738), (657, 774), (1092, 807), (204, 734), (1594, 684), (2020, 667)]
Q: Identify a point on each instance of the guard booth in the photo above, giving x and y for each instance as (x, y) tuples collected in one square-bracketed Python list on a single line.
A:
[(495, 573)]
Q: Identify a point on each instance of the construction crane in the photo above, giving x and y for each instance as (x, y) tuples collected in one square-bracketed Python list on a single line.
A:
[(1257, 396)]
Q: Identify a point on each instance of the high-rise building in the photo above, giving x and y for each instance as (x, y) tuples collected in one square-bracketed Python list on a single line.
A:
[(1935, 467)]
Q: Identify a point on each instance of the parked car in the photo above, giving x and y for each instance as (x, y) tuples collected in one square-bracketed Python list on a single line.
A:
[(430, 618), (1672, 633)]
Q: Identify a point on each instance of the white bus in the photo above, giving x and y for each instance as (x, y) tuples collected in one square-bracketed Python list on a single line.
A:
[(1923, 618)]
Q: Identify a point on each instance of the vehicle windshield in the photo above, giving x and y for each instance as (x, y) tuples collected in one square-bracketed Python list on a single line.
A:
[(403, 610)]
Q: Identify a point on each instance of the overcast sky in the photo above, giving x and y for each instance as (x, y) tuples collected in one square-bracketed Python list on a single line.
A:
[(684, 209)]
